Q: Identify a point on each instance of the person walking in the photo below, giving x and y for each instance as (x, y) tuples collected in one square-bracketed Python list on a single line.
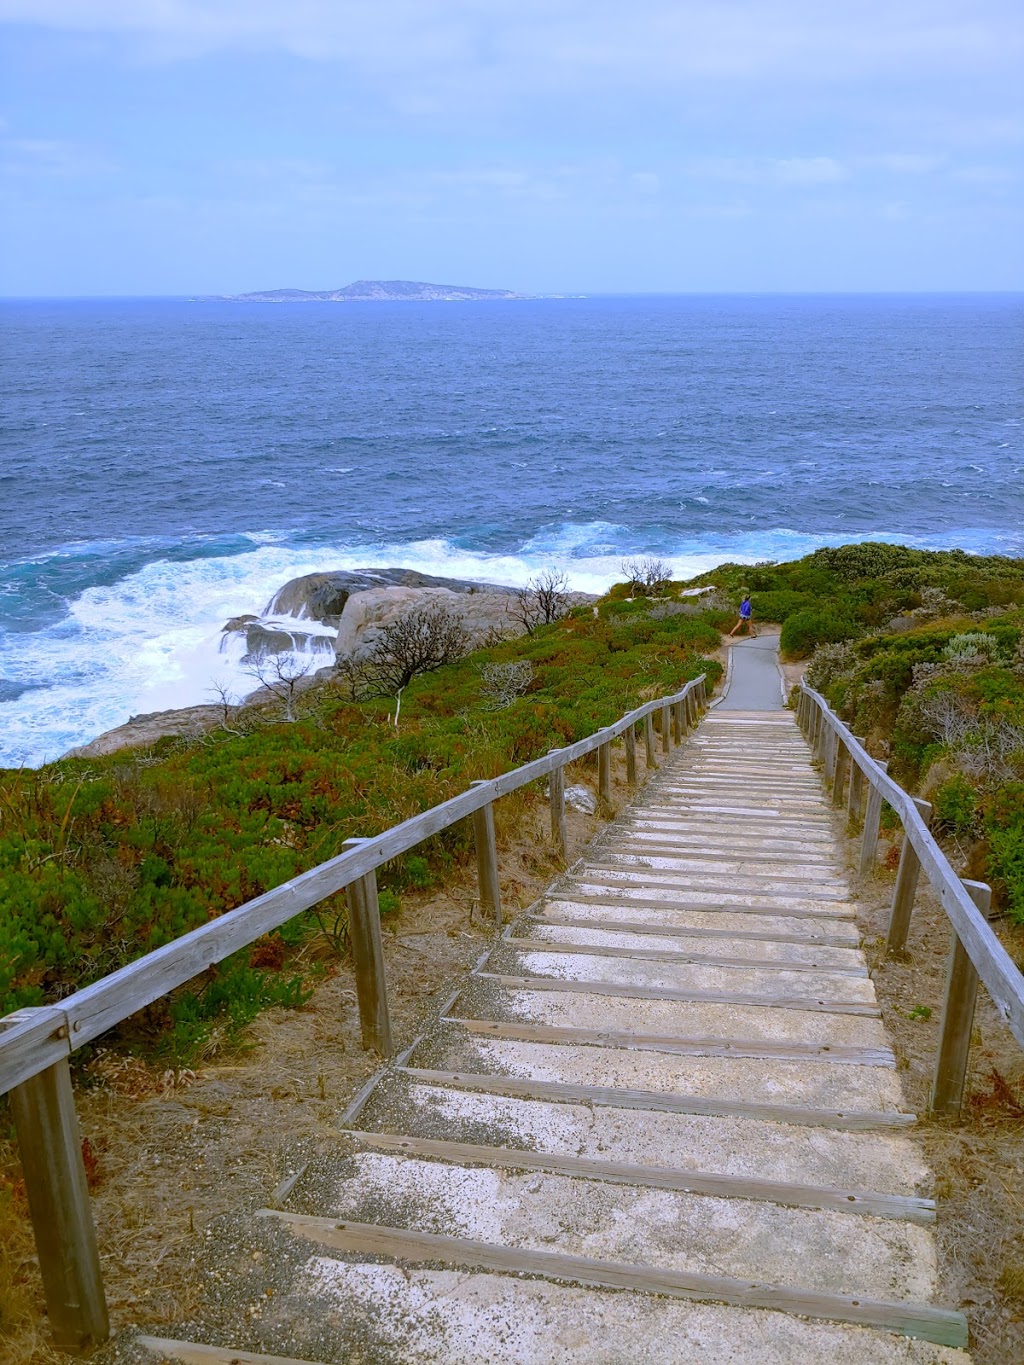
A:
[(744, 616)]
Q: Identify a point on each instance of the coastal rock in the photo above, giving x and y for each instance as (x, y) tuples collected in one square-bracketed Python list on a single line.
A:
[(148, 728), (483, 614), (272, 637), (322, 596)]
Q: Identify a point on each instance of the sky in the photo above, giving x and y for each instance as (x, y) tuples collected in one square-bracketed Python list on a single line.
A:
[(214, 146)]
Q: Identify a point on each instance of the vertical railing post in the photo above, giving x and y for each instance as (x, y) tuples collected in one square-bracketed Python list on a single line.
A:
[(692, 711), (649, 757), (557, 788), (906, 886), (666, 729), (821, 735), (856, 788), (839, 776), (869, 835), (487, 861), (629, 735), (950, 1076), (677, 722), (50, 1146), (831, 753), (368, 960), (604, 770)]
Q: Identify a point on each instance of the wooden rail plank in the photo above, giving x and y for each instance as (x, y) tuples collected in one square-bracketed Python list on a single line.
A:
[(114, 998), (663, 1102), (30, 1041), (630, 992), (938, 1325), (997, 970), (867, 1203), (754, 1048)]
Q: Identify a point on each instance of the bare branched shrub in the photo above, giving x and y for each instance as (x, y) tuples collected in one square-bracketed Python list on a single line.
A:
[(422, 641), (829, 662), (501, 684), (647, 577), (280, 675), (543, 599), (986, 748)]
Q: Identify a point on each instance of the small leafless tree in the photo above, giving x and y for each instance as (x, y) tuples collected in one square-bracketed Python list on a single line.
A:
[(543, 599), (280, 674), (502, 683), (647, 577), (422, 641)]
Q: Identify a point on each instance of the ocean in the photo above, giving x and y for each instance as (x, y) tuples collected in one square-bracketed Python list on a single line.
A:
[(167, 464)]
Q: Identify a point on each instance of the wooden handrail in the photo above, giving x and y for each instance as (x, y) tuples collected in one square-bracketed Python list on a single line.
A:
[(993, 964), (31, 1040), (36, 1044)]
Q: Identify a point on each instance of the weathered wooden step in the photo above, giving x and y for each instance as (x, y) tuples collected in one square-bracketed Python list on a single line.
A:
[(568, 926), (807, 1003), (685, 1018), (744, 981), (889, 1257), (807, 1094), (608, 903), (760, 1049), (559, 939), (918, 1320)]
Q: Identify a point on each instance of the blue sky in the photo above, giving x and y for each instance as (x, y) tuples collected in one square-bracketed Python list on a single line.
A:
[(206, 146)]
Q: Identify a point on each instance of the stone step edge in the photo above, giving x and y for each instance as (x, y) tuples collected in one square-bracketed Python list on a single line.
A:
[(661, 1102), (937, 1325)]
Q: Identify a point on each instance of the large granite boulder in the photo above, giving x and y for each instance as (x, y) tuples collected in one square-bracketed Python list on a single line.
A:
[(322, 596), (483, 614)]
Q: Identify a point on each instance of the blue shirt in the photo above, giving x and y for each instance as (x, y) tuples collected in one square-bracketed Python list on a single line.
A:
[(745, 610)]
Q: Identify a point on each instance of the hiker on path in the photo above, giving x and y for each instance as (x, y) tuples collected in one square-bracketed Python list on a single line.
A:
[(744, 616)]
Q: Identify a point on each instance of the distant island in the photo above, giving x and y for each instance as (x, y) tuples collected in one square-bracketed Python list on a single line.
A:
[(377, 291)]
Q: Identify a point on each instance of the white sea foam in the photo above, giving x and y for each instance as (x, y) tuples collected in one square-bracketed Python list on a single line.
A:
[(152, 640)]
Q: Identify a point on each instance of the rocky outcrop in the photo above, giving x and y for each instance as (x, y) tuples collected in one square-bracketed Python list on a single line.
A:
[(322, 596), (378, 291), (148, 728), (483, 614)]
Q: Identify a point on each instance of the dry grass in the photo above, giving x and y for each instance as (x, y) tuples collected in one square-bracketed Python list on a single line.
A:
[(171, 1152)]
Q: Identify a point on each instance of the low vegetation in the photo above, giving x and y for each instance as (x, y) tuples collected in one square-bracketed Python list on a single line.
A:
[(103, 860)]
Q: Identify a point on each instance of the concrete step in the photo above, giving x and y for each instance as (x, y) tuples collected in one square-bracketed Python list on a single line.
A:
[(610, 903), (890, 1259), (816, 1084), (485, 999), (772, 981), (754, 951), (382, 1311), (885, 1162)]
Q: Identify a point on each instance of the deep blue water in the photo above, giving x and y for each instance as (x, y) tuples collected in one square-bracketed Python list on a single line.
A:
[(166, 464)]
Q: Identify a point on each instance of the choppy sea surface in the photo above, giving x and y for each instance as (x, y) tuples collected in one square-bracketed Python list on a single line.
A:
[(167, 464)]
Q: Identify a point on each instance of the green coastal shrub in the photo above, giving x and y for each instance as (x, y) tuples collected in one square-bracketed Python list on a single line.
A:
[(805, 630)]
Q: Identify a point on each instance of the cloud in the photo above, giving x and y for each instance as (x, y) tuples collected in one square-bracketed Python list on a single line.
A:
[(784, 171), (656, 41)]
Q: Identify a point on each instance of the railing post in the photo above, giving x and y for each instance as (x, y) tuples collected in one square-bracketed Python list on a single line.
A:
[(666, 729), (950, 1075), (368, 961), (831, 753), (678, 729), (651, 761), (869, 837), (692, 712), (821, 735), (906, 886), (629, 734), (487, 861), (557, 789), (50, 1146), (856, 787), (604, 770), (839, 776)]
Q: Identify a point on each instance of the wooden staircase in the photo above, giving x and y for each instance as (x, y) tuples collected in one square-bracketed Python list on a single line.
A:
[(661, 1121)]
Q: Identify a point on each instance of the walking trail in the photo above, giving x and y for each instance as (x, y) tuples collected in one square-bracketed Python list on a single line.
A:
[(660, 1122)]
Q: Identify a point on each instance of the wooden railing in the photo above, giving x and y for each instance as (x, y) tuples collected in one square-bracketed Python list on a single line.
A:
[(976, 952), (36, 1044)]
